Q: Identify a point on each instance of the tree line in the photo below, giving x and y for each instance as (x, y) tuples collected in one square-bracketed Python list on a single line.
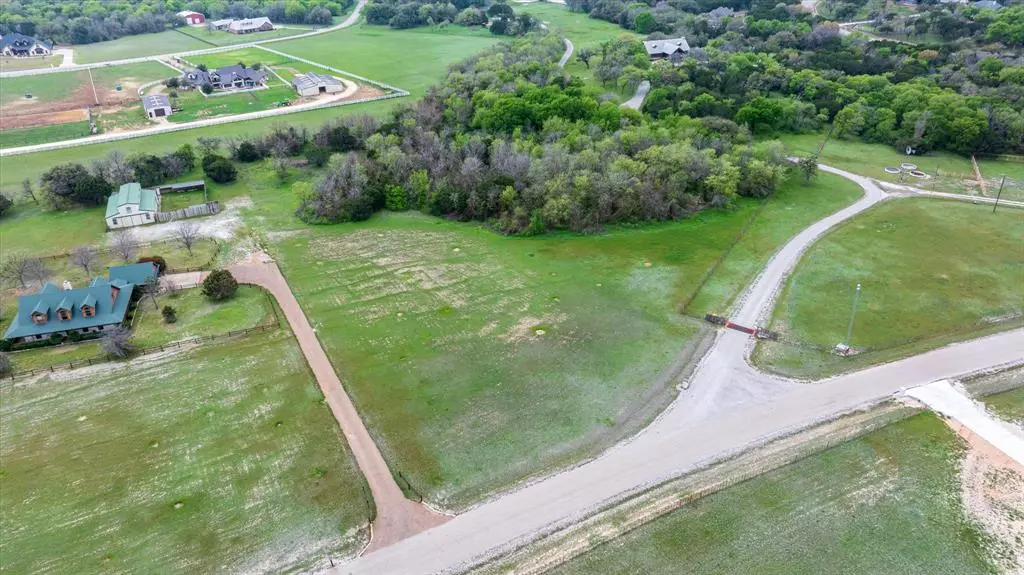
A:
[(75, 22), (499, 17)]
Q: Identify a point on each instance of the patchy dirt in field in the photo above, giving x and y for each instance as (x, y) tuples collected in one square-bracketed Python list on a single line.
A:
[(221, 226), (8, 122), (532, 328), (992, 493)]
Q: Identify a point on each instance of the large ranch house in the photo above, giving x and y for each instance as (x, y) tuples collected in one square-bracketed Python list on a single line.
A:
[(227, 78), (666, 49), (89, 310), (246, 26), (20, 45)]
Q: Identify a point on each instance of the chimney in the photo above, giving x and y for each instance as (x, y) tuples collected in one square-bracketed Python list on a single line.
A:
[(67, 285)]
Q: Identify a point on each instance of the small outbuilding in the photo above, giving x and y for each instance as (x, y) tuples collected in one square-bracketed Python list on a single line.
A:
[(132, 205), (156, 106), (312, 84), (192, 18)]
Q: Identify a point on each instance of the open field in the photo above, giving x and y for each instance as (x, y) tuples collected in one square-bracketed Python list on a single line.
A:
[(44, 89), (249, 56), (382, 54), (11, 64), (887, 502), (948, 171), (43, 134), (137, 46), (463, 348), (912, 290), (153, 468)]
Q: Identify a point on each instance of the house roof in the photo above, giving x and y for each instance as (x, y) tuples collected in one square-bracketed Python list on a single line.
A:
[(185, 13), (16, 40), (249, 23), (312, 79), (97, 295), (988, 5), (155, 101), (229, 74), (130, 194), (666, 47), (136, 274), (223, 22)]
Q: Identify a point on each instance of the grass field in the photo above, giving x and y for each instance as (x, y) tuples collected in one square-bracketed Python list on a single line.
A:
[(1008, 405), (198, 316), (11, 64), (928, 268), (43, 134), (221, 38), (44, 88), (136, 46), (463, 348), (249, 56), (380, 53), (130, 76), (75, 86), (870, 159), (221, 458), (887, 502)]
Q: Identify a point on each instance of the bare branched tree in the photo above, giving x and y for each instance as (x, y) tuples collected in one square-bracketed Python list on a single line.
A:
[(117, 342), (85, 257), (20, 269), (208, 146), (150, 289), (124, 245), (26, 188), (187, 234)]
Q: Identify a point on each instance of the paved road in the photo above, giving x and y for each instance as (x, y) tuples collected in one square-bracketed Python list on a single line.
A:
[(352, 19), (397, 517), (638, 99), (727, 407)]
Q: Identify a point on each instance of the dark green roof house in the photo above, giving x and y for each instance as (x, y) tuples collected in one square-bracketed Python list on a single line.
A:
[(97, 307)]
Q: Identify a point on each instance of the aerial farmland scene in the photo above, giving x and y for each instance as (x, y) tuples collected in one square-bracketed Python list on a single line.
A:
[(512, 287)]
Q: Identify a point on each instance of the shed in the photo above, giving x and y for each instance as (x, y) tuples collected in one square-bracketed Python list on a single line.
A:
[(311, 84), (193, 186), (132, 205), (156, 106)]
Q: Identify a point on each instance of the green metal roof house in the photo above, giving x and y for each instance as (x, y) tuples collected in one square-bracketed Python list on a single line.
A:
[(132, 205), (97, 307)]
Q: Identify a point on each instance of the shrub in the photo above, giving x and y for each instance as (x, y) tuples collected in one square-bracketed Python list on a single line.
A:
[(117, 342), (5, 204), (6, 345), (75, 336), (219, 169), (170, 314), (5, 364), (219, 285), (161, 263), (56, 338), (207, 88), (247, 152)]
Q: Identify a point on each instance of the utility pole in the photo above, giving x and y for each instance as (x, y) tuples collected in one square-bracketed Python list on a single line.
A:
[(999, 193), (853, 314)]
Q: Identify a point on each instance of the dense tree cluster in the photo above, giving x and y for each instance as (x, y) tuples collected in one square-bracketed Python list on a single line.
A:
[(76, 22), (498, 16), (74, 184), (509, 139)]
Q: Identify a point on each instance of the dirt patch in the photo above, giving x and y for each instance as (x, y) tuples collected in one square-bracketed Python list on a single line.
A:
[(43, 119), (992, 493), (531, 328), (364, 91), (221, 226)]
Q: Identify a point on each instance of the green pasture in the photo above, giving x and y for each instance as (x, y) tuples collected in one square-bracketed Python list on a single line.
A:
[(43, 134), (12, 64), (165, 42), (44, 88)]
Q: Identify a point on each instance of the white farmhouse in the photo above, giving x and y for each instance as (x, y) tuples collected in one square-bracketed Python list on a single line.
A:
[(132, 205)]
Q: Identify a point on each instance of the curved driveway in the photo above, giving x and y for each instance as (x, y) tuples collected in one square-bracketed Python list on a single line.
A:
[(727, 407)]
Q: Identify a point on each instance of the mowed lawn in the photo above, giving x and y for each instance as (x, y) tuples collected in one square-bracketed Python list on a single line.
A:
[(888, 502), (477, 360), (928, 269), (381, 53), (136, 46), (44, 88), (248, 56), (12, 64), (221, 459)]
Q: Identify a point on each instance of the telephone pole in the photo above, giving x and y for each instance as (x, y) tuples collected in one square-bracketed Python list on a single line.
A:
[(853, 314)]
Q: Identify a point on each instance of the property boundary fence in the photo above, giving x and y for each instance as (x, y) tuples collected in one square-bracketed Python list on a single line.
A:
[(196, 211)]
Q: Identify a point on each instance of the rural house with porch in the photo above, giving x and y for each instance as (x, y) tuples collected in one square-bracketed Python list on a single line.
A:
[(228, 77), (250, 25), (93, 309), (15, 44)]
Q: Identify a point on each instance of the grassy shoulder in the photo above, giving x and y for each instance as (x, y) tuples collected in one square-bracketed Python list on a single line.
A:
[(478, 360), (915, 294), (871, 159), (221, 457), (887, 502), (1008, 405), (13, 64)]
